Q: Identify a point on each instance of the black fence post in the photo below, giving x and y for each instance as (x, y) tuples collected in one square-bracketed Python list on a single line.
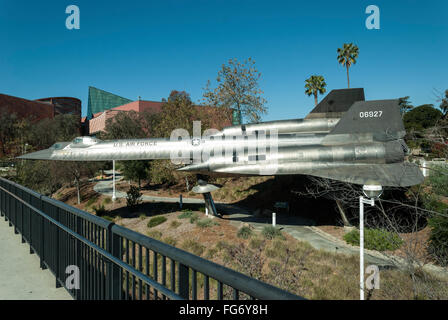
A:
[(42, 238), (114, 283), (183, 276), (57, 251)]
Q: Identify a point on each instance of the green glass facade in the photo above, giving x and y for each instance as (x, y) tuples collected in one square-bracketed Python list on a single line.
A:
[(100, 100), (236, 117)]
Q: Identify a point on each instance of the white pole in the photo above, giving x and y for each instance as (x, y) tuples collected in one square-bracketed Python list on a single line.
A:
[(361, 242), (361, 247), (273, 219), (113, 178)]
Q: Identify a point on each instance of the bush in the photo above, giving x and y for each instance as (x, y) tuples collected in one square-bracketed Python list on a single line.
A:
[(270, 232), (244, 232), (155, 221), (133, 198), (100, 211), (438, 238), (107, 200), (439, 180), (185, 214), (375, 239)]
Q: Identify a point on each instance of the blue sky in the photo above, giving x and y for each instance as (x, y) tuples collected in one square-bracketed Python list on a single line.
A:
[(148, 48)]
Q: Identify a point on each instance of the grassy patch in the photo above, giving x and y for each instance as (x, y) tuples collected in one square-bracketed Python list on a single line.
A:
[(169, 240), (174, 224), (107, 200), (256, 243), (155, 221), (270, 232), (244, 233), (375, 239), (193, 247), (194, 218), (205, 223), (155, 234), (185, 214)]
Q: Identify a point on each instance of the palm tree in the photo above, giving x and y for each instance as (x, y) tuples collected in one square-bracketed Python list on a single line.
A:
[(444, 104), (405, 105), (315, 85), (347, 56)]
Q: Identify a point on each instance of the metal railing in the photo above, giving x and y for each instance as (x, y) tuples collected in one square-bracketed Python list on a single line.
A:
[(115, 262)]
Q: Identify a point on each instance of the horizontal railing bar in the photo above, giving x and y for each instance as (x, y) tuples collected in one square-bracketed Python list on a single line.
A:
[(104, 253), (77, 212), (228, 276)]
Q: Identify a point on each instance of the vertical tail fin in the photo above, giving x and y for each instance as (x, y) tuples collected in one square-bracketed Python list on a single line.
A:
[(379, 120), (336, 103)]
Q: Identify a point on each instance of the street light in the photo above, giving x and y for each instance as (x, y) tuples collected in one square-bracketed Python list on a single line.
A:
[(113, 181), (372, 192)]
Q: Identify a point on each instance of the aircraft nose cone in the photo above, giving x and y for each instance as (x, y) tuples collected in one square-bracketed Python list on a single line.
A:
[(38, 155)]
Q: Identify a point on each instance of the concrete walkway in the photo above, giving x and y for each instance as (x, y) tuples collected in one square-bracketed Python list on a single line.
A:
[(21, 278)]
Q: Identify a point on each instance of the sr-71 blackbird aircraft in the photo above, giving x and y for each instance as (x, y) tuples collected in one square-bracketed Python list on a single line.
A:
[(344, 138)]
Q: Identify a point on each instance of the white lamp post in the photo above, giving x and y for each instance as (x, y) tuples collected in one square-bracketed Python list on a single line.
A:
[(372, 192), (113, 179)]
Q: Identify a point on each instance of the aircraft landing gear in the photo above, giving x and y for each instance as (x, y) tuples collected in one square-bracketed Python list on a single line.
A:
[(206, 189)]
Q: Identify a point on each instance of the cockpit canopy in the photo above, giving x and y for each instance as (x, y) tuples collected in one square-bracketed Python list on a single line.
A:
[(83, 142)]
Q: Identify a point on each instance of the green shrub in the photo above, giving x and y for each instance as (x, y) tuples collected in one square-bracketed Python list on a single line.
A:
[(100, 211), (155, 221), (205, 223), (375, 239), (438, 238), (202, 209), (432, 202), (439, 180), (185, 214), (107, 200), (244, 232), (270, 232), (133, 197)]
